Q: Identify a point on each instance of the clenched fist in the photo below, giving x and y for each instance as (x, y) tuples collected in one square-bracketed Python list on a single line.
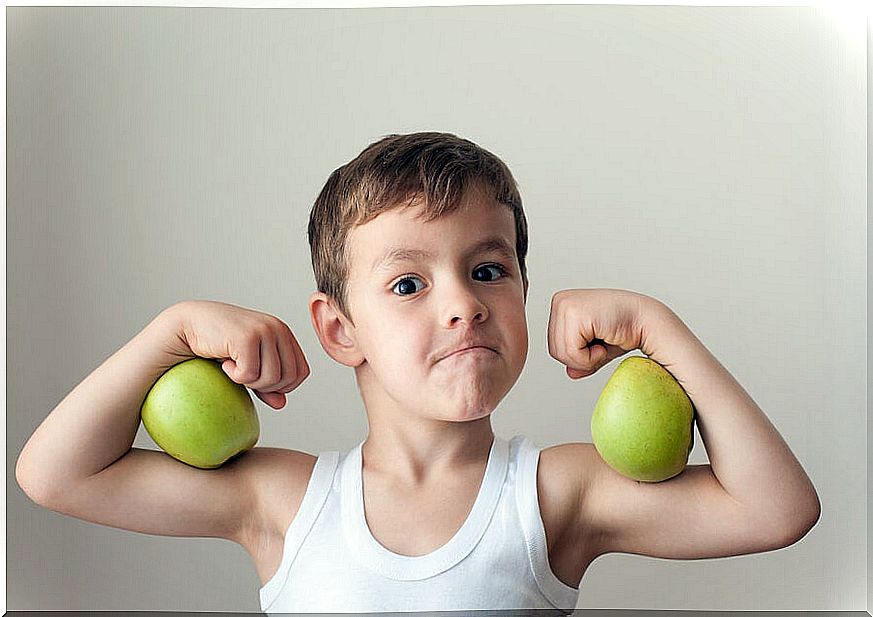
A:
[(588, 328), (258, 350)]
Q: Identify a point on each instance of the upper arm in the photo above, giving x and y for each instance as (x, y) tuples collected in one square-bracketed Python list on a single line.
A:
[(148, 491), (689, 516)]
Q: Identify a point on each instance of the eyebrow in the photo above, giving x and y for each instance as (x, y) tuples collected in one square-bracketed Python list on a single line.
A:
[(393, 255)]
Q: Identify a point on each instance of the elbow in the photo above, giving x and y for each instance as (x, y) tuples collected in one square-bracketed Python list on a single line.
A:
[(26, 485), (36, 489), (795, 537), (813, 512), (814, 515), (803, 520)]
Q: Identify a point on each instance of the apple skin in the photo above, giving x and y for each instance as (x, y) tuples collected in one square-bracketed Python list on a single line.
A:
[(643, 423), (199, 416)]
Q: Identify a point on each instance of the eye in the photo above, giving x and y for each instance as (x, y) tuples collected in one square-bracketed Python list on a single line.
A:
[(404, 284), (500, 269)]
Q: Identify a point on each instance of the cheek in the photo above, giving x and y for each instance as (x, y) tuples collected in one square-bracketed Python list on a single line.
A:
[(394, 349), (519, 331), (518, 325)]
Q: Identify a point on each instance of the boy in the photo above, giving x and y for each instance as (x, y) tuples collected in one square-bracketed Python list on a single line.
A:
[(418, 247)]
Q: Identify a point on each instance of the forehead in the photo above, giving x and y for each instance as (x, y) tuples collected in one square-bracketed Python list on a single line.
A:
[(402, 234)]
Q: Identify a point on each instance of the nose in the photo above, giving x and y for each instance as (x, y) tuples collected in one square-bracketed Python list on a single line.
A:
[(463, 304)]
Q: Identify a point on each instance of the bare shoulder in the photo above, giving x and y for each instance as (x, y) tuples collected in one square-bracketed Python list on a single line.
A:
[(565, 476), (276, 479)]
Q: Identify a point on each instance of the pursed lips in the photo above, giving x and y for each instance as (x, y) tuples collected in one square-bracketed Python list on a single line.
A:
[(454, 353)]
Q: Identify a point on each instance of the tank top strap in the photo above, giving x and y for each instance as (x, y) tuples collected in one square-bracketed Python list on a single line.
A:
[(558, 592), (317, 490)]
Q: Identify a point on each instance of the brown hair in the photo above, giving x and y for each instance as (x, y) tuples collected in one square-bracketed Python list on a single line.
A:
[(394, 171)]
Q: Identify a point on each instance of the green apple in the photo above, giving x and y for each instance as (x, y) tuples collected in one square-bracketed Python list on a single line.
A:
[(198, 415), (643, 423)]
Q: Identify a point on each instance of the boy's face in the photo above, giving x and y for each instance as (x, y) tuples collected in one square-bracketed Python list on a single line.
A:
[(411, 312)]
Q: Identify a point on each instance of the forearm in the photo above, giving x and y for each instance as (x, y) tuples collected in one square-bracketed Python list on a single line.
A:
[(96, 423), (746, 452)]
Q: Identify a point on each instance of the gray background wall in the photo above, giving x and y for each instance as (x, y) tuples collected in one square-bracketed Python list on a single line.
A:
[(711, 157)]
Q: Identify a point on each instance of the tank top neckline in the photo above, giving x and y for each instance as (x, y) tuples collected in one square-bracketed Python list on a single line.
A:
[(373, 555)]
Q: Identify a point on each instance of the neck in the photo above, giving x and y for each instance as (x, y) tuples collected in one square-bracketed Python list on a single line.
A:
[(416, 452)]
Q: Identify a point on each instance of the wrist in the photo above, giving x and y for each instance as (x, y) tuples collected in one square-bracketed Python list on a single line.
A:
[(167, 331), (658, 324)]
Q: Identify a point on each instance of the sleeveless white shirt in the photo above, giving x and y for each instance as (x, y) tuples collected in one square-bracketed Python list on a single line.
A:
[(497, 560)]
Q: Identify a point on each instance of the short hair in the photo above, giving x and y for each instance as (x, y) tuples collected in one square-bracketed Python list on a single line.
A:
[(399, 170)]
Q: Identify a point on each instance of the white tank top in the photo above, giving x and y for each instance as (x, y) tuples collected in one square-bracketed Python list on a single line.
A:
[(497, 560)]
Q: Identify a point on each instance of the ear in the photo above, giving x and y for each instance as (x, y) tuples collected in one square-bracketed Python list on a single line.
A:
[(335, 332)]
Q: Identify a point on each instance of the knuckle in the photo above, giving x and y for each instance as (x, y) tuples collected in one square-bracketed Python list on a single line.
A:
[(273, 325), (262, 330), (281, 326)]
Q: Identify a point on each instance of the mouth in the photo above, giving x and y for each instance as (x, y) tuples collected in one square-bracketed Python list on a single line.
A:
[(473, 348)]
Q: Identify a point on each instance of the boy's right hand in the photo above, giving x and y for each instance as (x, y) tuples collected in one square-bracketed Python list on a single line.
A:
[(258, 350)]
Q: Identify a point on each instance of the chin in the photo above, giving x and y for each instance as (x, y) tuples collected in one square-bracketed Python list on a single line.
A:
[(469, 414)]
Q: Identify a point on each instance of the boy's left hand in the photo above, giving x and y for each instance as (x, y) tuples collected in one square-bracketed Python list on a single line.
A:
[(588, 328)]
